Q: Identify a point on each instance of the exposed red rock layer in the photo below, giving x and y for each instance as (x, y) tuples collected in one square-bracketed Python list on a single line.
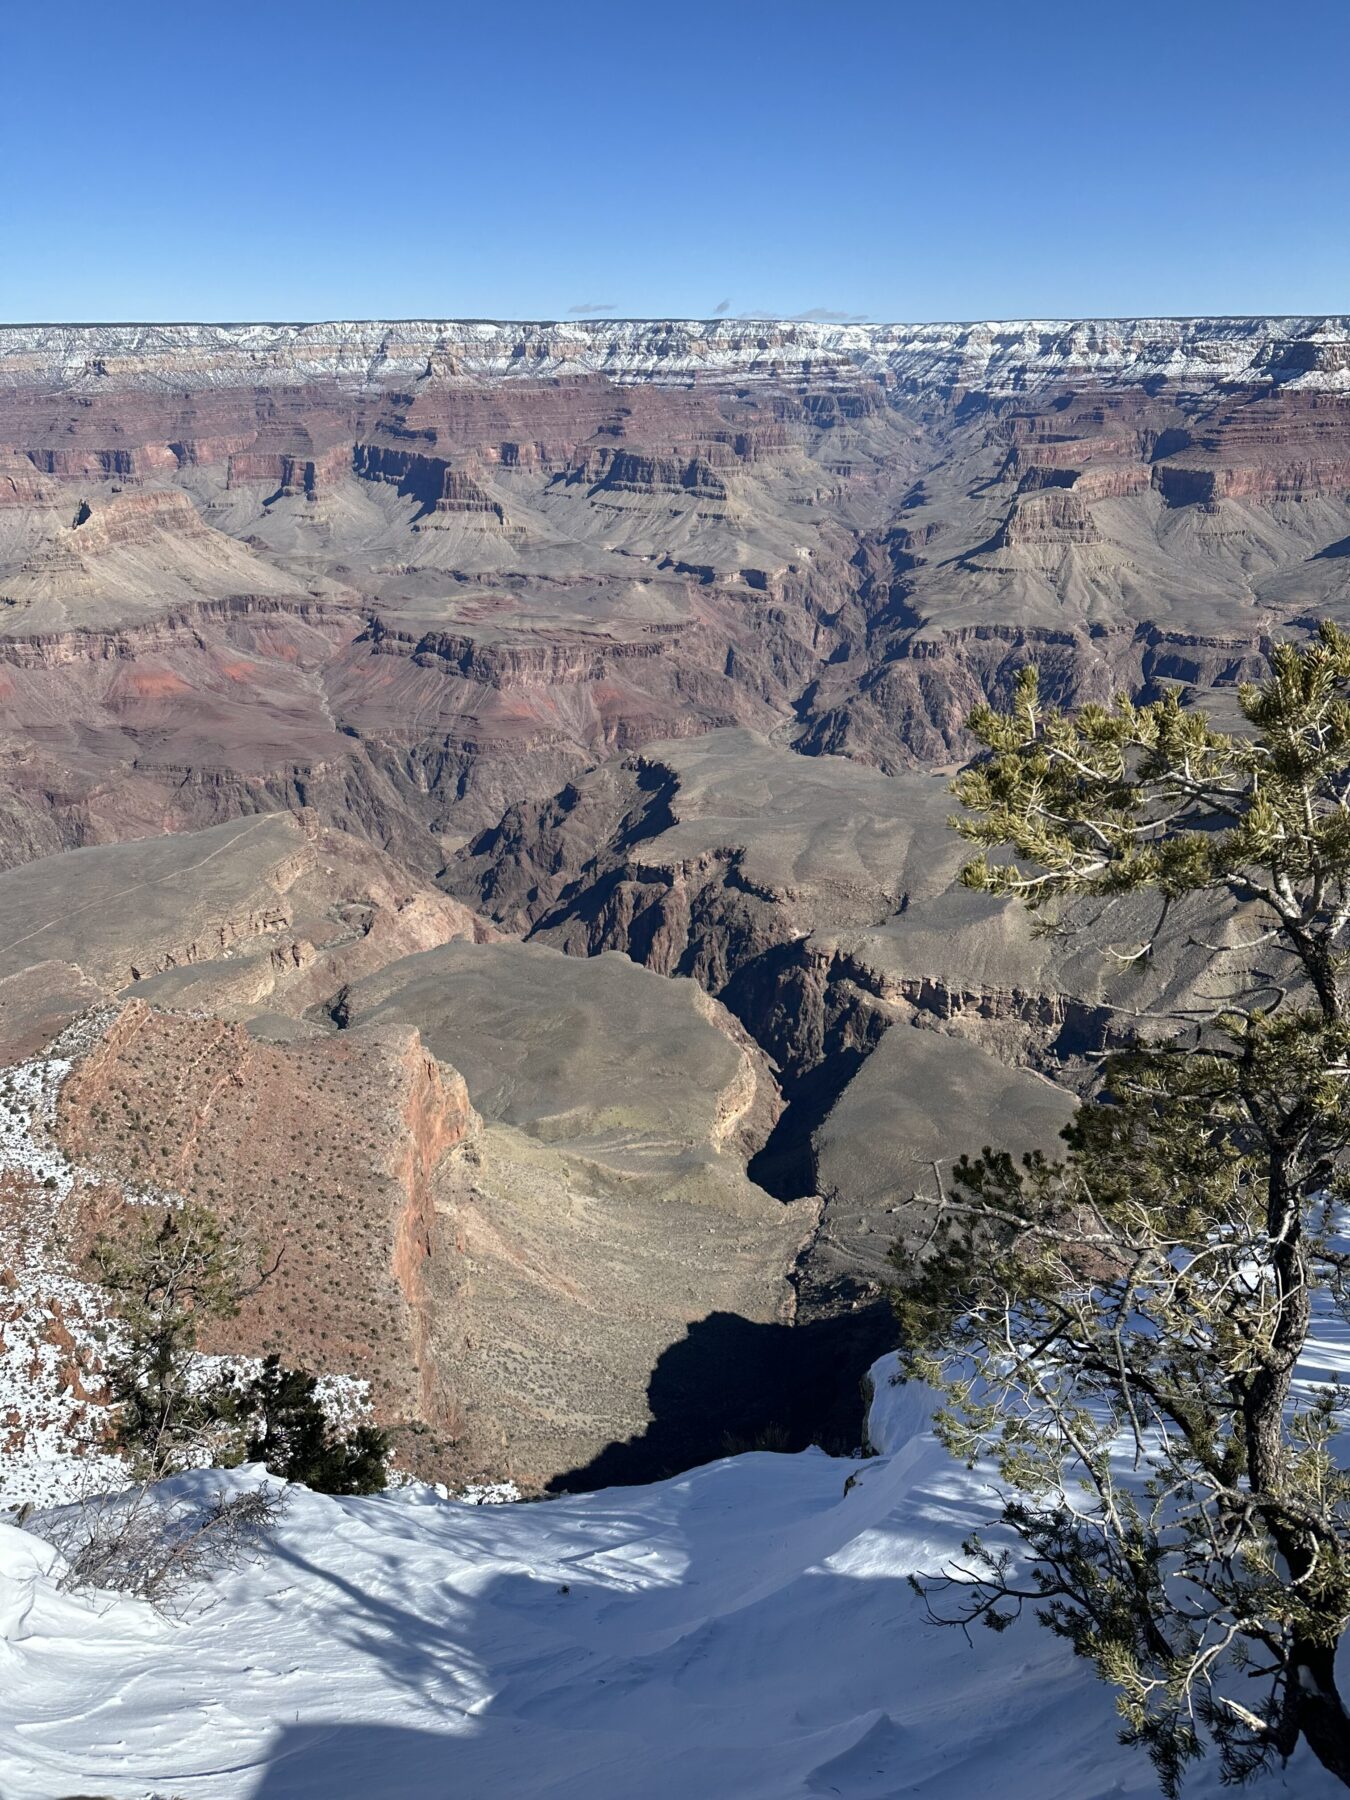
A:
[(398, 598), (322, 1155)]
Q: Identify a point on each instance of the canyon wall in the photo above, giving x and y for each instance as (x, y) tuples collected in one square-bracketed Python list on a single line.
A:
[(334, 658), (997, 356)]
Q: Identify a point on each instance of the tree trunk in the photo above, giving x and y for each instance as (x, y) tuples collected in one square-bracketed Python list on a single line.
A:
[(1268, 1390), (1317, 1707)]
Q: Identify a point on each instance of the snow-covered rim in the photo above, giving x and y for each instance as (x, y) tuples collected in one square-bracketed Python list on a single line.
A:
[(997, 355)]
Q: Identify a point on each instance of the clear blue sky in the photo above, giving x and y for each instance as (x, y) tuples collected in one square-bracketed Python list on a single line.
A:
[(230, 159)]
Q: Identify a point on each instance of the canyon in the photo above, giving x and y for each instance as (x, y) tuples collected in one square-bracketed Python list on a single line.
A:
[(484, 789)]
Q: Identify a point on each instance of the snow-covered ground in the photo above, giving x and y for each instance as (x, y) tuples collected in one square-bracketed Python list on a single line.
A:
[(742, 1632), (55, 1327)]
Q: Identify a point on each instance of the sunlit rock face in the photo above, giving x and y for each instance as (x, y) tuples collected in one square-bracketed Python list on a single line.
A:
[(335, 656), (456, 563)]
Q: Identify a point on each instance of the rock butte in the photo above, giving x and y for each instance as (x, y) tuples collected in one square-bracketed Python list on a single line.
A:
[(338, 659)]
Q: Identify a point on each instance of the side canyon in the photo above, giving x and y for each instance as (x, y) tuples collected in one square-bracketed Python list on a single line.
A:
[(477, 794)]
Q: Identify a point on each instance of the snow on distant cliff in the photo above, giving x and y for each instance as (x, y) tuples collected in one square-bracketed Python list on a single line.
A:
[(742, 1632), (996, 357)]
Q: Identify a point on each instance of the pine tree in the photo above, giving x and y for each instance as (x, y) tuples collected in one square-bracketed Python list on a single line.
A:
[(170, 1272), (1120, 1330), (290, 1433)]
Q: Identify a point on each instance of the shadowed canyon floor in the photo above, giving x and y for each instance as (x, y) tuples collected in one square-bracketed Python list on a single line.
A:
[(484, 788)]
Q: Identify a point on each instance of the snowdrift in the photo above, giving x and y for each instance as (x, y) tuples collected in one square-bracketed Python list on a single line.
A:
[(742, 1632)]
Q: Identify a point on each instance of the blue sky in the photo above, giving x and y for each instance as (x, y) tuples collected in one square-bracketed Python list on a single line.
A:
[(295, 160)]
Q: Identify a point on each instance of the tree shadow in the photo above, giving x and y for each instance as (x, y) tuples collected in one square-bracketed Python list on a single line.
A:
[(732, 1384), (641, 1697), (340, 1762), (708, 1646), (573, 1711)]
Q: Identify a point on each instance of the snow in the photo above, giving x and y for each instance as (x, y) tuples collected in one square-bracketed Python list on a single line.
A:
[(52, 1429), (49, 1433), (741, 1632), (995, 355)]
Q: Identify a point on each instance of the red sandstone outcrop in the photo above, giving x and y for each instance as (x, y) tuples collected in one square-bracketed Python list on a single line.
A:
[(323, 1155), (21, 485), (1052, 516), (134, 519), (504, 1287), (430, 480)]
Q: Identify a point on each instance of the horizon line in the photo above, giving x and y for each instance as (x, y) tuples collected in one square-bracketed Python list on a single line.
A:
[(1064, 319)]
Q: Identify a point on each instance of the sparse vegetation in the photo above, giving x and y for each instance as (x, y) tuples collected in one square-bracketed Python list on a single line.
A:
[(170, 1273), (158, 1546)]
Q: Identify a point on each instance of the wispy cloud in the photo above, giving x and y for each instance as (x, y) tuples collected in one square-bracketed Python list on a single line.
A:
[(588, 308), (813, 315), (723, 306), (826, 315)]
